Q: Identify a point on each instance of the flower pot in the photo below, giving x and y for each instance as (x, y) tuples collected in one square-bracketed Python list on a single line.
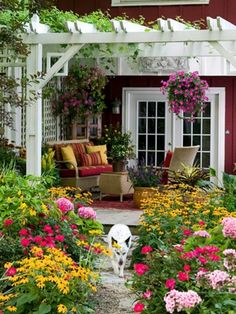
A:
[(119, 165), (142, 193)]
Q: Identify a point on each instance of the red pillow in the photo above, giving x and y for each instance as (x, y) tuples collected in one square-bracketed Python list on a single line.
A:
[(92, 159), (167, 160)]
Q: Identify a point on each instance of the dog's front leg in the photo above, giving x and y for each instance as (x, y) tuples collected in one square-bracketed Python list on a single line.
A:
[(121, 275), (115, 267)]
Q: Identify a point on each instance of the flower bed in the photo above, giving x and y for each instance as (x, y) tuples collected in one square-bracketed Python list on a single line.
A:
[(47, 248), (186, 258)]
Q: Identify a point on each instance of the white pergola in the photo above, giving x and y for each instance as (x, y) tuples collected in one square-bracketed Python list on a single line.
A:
[(171, 39)]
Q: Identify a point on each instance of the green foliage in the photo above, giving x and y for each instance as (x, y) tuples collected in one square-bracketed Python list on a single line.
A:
[(50, 172), (119, 144), (143, 176), (229, 196), (188, 175)]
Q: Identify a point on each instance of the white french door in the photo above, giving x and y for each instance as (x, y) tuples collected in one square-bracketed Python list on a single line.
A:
[(155, 130)]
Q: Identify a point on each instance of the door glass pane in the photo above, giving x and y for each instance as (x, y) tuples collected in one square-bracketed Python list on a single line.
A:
[(142, 109), (151, 142), (142, 142), (196, 140), (160, 142), (151, 125), (197, 126), (187, 140), (142, 126), (160, 126), (151, 158), (205, 160), (151, 109), (142, 157), (187, 127), (206, 143), (161, 109), (206, 126), (160, 158), (207, 111)]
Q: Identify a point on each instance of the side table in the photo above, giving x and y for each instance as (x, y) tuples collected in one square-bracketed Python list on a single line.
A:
[(116, 183)]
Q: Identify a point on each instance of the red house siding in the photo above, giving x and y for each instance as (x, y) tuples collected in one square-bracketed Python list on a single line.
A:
[(225, 9)]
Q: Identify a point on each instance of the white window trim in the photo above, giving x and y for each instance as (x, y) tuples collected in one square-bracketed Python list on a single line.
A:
[(126, 3), (130, 94)]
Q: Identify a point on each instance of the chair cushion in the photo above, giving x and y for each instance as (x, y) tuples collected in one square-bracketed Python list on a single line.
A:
[(85, 171), (168, 157), (92, 159), (80, 148), (68, 155), (94, 170), (99, 148)]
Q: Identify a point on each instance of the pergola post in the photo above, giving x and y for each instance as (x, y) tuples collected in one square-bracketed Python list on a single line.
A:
[(34, 115)]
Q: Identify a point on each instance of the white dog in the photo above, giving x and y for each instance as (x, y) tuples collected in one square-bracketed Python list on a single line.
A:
[(119, 242)]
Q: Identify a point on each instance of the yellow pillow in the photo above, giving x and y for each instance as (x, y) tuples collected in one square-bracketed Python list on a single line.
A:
[(98, 148), (68, 155)]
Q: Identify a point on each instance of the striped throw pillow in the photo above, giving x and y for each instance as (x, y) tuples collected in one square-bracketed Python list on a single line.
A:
[(92, 159)]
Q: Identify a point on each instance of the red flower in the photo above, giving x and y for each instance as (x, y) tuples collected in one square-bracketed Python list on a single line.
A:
[(59, 238), (146, 249), (214, 257), (37, 239), (182, 276), (48, 229), (187, 268), (187, 232), (7, 222), (202, 260), (139, 307), (141, 268), (73, 226), (23, 232), (11, 271), (147, 294), (170, 283), (201, 223), (25, 242)]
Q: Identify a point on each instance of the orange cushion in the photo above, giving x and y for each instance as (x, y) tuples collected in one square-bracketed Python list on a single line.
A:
[(92, 159), (99, 148)]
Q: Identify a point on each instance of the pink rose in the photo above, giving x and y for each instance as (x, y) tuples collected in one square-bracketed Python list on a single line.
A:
[(139, 307), (140, 268), (11, 271), (170, 283), (25, 242), (147, 294), (7, 222), (146, 249), (182, 276)]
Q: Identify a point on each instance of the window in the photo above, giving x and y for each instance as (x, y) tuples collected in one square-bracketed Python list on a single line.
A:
[(156, 2)]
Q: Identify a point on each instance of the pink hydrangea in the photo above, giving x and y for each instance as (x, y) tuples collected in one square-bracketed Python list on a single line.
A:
[(177, 300), (230, 260), (229, 227), (87, 213), (64, 205), (202, 233)]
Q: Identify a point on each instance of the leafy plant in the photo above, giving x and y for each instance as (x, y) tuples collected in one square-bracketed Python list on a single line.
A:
[(143, 176), (188, 175)]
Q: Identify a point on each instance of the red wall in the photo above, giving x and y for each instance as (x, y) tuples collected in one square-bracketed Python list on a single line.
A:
[(223, 8)]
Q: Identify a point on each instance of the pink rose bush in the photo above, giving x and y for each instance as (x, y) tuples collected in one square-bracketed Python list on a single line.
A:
[(196, 276)]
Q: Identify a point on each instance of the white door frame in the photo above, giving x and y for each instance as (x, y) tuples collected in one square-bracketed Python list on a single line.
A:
[(129, 122)]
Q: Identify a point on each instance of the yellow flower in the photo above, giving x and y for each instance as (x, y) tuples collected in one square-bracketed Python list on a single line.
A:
[(23, 206), (61, 308), (95, 232), (11, 308), (32, 212)]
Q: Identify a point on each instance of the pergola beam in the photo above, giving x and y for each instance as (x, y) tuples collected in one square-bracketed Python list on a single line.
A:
[(135, 37), (225, 53)]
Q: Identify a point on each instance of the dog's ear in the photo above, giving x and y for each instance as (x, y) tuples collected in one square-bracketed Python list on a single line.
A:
[(113, 241), (127, 241)]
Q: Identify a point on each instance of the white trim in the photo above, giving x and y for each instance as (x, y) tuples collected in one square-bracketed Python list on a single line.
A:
[(50, 55), (126, 3)]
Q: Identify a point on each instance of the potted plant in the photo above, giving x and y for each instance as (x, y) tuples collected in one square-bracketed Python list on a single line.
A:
[(145, 181), (119, 147), (186, 94)]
